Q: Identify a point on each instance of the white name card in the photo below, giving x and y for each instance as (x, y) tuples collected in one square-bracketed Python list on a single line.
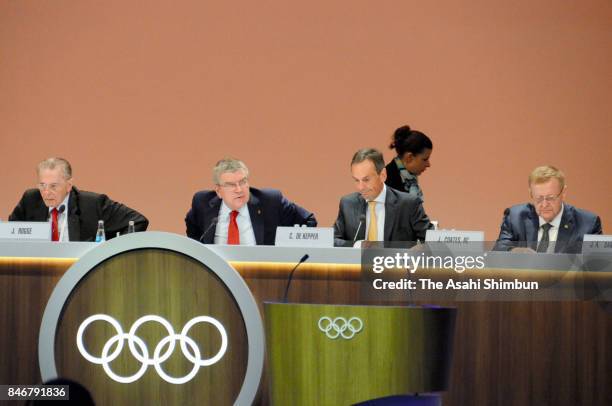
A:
[(304, 237), (457, 241), (25, 230), (596, 243), (454, 236)]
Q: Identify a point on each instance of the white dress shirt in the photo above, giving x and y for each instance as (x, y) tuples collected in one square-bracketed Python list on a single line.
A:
[(553, 233), (380, 215), (245, 228), (62, 219)]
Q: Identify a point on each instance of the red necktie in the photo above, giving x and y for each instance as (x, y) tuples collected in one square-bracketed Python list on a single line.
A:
[(233, 235), (54, 228)]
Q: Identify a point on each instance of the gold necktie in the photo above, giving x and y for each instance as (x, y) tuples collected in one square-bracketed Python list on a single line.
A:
[(373, 230)]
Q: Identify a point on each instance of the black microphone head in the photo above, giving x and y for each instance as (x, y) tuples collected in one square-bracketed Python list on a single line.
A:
[(304, 258), (214, 220), (362, 218), (61, 209)]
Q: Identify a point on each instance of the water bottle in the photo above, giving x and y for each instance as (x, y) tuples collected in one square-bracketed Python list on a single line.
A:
[(100, 236), (131, 228)]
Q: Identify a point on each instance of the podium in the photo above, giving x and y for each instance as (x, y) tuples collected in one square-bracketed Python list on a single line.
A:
[(154, 318), (341, 354)]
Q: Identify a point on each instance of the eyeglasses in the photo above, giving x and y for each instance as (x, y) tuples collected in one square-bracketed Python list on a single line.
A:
[(547, 199), (53, 187), (233, 185)]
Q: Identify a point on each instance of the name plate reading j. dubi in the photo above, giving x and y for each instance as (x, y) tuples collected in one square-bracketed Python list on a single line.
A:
[(596, 243), (25, 230), (304, 237)]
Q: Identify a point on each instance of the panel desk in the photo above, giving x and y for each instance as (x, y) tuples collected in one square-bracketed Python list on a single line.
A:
[(505, 353)]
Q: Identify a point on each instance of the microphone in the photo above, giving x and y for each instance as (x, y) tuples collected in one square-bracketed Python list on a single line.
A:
[(362, 220), (61, 209), (303, 259), (212, 224)]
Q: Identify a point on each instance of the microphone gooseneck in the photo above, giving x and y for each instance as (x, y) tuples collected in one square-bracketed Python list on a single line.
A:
[(302, 260)]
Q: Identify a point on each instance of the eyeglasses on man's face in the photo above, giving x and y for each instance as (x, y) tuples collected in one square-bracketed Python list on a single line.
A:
[(548, 199), (233, 185), (53, 187)]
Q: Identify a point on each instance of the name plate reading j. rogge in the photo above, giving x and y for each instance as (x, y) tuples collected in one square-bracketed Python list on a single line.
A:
[(25, 230)]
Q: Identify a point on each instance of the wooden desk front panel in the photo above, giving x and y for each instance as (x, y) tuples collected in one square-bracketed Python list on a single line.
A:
[(506, 353)]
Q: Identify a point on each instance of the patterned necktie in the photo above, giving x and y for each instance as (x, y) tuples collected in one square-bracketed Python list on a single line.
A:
[(543, 245), (233, 235), (373, 230), (54, 228)]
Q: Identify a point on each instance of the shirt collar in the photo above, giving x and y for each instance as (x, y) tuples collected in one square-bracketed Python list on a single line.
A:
[(64, 202), (225, 210), (382, 196), (556, 222)]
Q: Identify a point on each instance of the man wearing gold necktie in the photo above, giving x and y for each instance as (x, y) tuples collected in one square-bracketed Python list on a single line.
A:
[(377, 212)]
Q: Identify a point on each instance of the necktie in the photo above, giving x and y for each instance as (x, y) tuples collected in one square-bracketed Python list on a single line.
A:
[(373, 230), (543, 245), (233, 235), (54, 228)]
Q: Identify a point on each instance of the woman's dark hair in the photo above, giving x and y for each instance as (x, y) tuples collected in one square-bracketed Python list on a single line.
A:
[(406, 140)]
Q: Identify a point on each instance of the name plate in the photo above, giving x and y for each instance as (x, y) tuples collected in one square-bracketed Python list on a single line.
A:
[(304, 237), (455, 240), (26, 230), (596, 243), (454, 236)]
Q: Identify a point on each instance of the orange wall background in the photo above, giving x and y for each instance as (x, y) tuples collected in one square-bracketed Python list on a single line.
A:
[(144, 97)]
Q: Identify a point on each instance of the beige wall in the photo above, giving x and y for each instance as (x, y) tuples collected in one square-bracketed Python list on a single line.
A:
[(144, 97)]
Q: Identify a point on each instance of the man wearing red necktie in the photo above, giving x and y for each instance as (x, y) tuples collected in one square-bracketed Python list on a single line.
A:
[(73, 213), (235, 213)]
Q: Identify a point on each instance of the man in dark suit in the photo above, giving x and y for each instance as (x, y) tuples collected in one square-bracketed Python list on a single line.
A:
[(235, 213), (547, 224), (376, 212), (74, 214)]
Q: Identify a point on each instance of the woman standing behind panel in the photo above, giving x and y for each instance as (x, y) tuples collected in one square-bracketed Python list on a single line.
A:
[(413, 152)]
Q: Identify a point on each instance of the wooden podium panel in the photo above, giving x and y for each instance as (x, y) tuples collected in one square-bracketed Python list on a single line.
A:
[(153, 282), (339, 355)]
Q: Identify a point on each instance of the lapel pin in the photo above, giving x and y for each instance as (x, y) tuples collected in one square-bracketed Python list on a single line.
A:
[(259, 212), (565, 226)]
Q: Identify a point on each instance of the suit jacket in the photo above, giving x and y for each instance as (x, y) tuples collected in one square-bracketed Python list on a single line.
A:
[(84, 211), (405, 219), (394, 179), (268, 209), (521, 224)]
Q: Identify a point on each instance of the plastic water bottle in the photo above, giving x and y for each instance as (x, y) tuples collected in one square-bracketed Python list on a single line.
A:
[(131, 227), (100, 235)]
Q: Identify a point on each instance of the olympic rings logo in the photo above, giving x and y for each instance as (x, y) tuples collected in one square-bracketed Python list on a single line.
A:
[(340, 327), (140, 351)]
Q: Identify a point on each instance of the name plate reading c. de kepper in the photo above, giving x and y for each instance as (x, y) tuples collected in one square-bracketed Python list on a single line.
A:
[(304, 237), (25, 230)]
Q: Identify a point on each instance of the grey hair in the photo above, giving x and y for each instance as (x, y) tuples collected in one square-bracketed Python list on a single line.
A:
[(55, 162), (371, 154), (228, 165)]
